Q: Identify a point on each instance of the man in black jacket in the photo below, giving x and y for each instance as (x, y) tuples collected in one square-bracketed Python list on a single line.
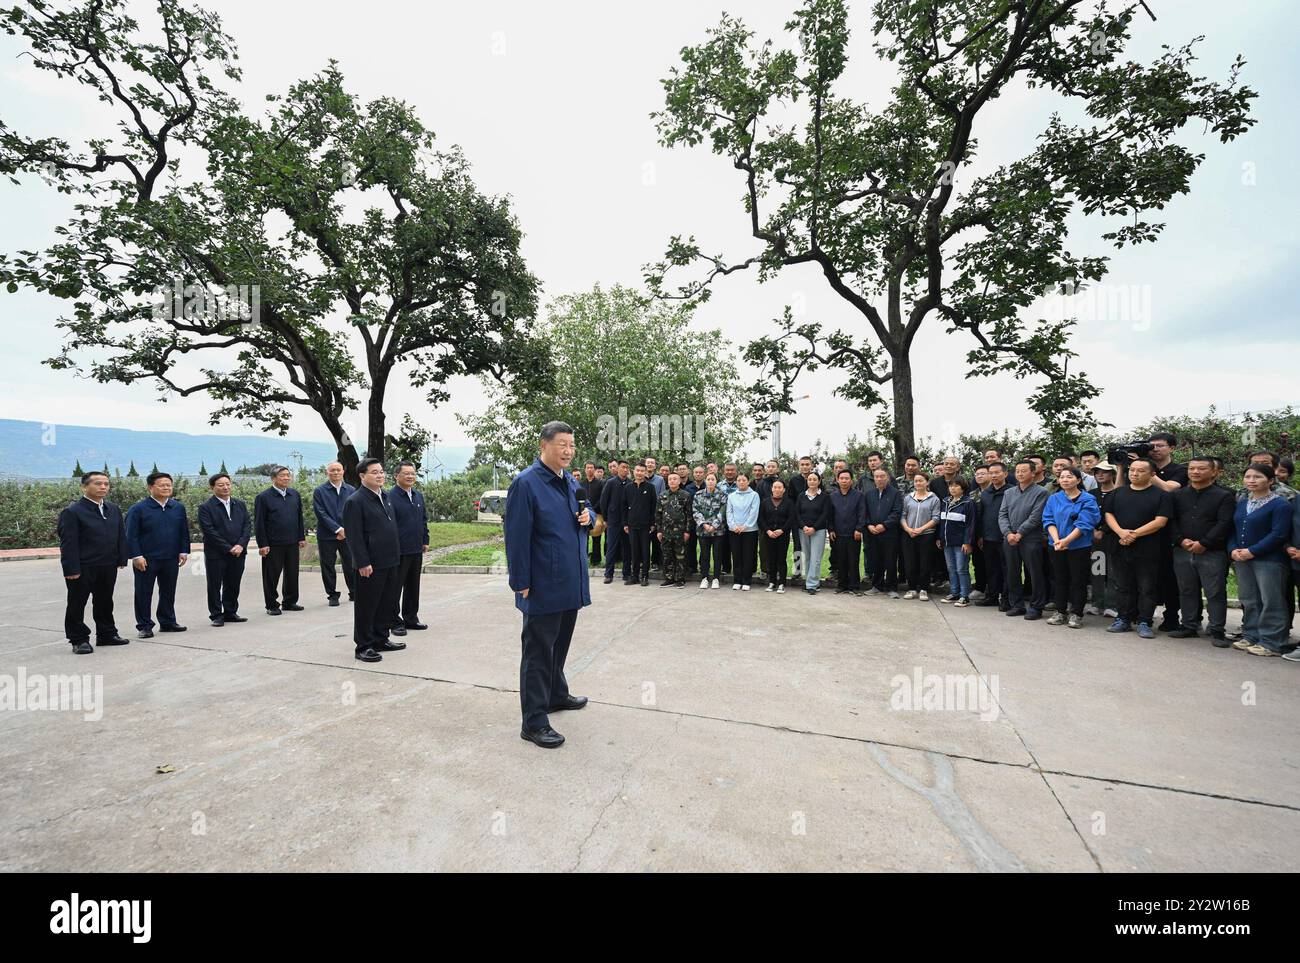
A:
[(412, 542), (1200, 526), (593, 483), (372, 530), (990, 539), (641, 500), (281, 533), (327, 501), (613, 507), (92, 547), (226, 530), (884, 511)]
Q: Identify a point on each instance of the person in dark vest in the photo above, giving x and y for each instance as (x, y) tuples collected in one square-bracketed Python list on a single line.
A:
[(158, 543), (327, 501), (412, 543), (546, 546), (226, 530), (92, 547), (281, 534), (372, 530)]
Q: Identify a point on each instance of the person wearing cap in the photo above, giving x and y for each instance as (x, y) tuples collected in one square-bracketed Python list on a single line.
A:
[(1104, 591)]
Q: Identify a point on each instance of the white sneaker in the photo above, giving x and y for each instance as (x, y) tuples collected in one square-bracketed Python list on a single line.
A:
[(924, 596), (744, 588), (780, 590), (717, 584), (770, 587), (1111, 614), (1091, 609), (735, 586), (909, 595), (976, 595), (704, 583)]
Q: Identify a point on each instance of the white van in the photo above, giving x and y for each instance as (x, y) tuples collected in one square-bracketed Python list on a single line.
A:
[(491, 506)]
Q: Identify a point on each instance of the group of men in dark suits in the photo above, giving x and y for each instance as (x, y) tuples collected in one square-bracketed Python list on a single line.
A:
[(381, 568)]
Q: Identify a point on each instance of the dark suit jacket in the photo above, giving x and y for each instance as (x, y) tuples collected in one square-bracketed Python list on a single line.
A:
[(412, 520), (86, 538), (222, 533), (277, 518), (613, 506), (884, 508), (372, 529), (328, 506)]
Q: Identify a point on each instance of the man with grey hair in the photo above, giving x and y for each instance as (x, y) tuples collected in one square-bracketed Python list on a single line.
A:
[(546, 553)]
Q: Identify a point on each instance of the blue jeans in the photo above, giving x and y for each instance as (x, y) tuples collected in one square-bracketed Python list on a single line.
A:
[(1262, 588), (812, 547), (958, 570)]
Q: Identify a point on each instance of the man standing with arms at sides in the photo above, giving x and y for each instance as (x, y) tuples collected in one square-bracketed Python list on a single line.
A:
[(226, 531), (1169, 476), (1137, 513), (327, 502), (797, 485), (594, 484), (638, 526), (613, 505), (660, 485), (412, 543), (281, 533), (694, 482), (980, 579), (371, 524), (884, 512), (92, 547), (727, 486), (672, 524), (158, 543), (1020, 519), (990, 539), (1199, 530), (545, 532), (849, 517)]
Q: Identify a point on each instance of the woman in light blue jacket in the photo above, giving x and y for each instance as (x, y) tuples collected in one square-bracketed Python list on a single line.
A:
[(742, 520), (1070, 517)]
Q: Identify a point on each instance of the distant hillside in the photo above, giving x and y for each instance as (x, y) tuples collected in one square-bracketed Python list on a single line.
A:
[(31, 449)]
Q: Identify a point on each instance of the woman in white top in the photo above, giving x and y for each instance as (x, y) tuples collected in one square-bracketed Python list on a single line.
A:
[(920, 519)]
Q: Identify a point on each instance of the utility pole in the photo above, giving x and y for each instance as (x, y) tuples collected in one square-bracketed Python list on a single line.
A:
[(776, 429)]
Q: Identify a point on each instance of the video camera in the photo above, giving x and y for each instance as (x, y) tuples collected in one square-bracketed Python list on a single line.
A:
[(1119, 454)]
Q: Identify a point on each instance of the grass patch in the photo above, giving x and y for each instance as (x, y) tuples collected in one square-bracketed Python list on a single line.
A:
[(442, 534), (479, 555)]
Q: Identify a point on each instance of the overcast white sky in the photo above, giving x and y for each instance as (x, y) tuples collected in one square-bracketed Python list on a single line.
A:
[(550, 103)]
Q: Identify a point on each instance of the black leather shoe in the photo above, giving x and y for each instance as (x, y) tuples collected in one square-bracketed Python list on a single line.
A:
[(234, 618), (645, 581), (115, 640), (389, 646), (273, 612), (146, 634), (986, 603), (608, 579), (334, 603), (1184, 633), (572, 702), (1168, 625), (217, 623), (415, 626), (349, 596), (171, 628), (1220, 641), (398, 630), (369, 655), (82, 648), (292, 608), (546, 737), (1015, 613), (1033, 615)]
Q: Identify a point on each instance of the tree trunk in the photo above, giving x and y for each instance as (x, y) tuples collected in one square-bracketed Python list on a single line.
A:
[(375, 447), (904, 426)]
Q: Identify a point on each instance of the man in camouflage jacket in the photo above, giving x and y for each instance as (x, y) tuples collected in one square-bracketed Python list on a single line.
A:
[(673, 524)]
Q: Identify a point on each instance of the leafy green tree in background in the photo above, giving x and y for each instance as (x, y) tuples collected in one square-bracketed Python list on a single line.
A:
[(131, 472), (615, 349), (341, 216), (884, 204)]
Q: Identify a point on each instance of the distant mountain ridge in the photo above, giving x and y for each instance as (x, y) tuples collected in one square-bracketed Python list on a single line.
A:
[(32, 449)]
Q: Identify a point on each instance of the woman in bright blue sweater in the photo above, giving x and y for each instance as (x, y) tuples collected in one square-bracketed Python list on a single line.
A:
[(1260, 529), (1070, 517), (742, 520)]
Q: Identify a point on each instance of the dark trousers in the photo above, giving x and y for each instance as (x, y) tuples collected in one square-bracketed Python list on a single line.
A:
[(639, 548), (1071, 571), (656, 555), (995, 571), (1137, 580), (980, 565), (224, 572), (616, 547), (408, 587), (595, 556), (164, 571), (745, 546), (846, 564), (674, 558), (709, 548), (726, 541), (693, 553), (96, 583), (329, 548), (280, 560), (778, 562), (1167, 583), (1029, 555), (917, 552), (1206, 573), (882, 559), (374, 606), (542, 683)]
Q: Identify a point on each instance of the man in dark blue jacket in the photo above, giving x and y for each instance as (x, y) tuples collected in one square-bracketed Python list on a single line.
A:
[(413, 542), (371, 524), (281, 534), (327, 501), (226, 530), (613, 506), (158, 544), (849, 517), (546, 552), (884, 510), (92, 547)]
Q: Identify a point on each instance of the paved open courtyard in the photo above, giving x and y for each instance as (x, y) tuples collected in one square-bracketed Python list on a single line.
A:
[(726, 730)]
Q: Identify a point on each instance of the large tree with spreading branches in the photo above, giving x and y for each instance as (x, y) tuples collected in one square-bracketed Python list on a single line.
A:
[(299, 260), (883, 202)]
